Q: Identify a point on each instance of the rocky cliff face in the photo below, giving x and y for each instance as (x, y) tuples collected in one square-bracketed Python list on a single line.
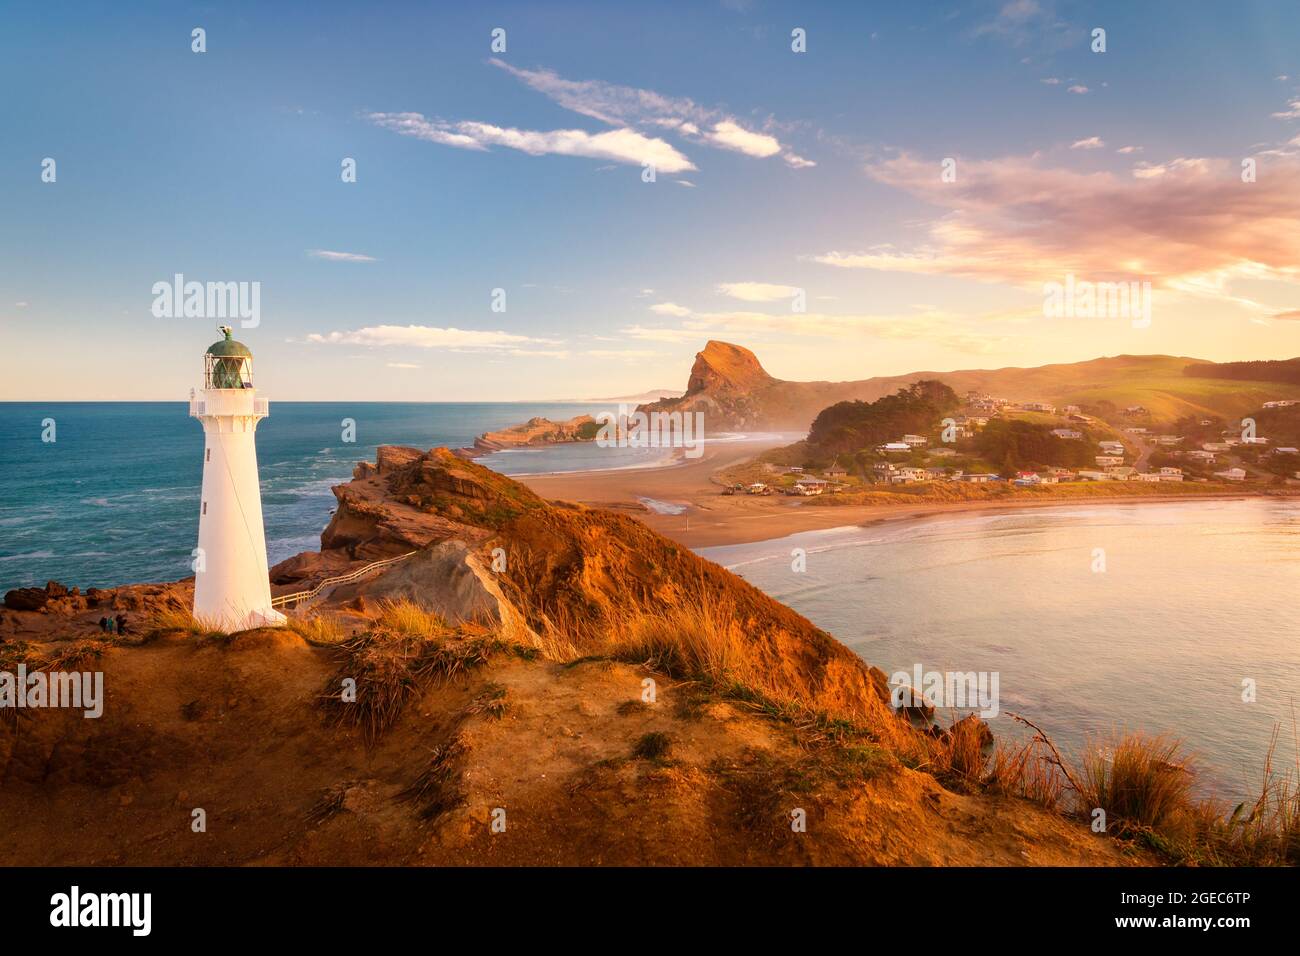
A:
[(733, 390), (538, 431)]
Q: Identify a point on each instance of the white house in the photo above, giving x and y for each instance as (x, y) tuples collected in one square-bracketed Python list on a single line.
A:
[(1232, 474), (1067, 433), (915, 441)]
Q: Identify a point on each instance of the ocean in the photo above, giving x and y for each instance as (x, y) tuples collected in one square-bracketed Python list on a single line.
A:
[(114, 499), (1152, 617)]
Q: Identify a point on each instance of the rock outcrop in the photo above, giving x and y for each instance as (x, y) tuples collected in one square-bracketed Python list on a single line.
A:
[(538, 431)]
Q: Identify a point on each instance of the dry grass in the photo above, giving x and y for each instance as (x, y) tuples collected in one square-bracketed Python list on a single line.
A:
[(407, 649), (171, 620), (437, 790), (324, 630), (1142, 782)]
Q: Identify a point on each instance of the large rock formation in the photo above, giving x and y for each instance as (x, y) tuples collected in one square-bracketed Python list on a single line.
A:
[(538, 431)]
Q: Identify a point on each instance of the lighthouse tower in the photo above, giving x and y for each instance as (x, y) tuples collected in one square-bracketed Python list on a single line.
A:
[(231, 583)]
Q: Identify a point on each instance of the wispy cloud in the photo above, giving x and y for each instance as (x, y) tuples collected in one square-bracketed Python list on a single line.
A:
[(1078, 89), (1292, 111), (757, 291), (430, 337), (627, 106), (1092, 142), (333, 256), (1186, 225), (669, 308), (620, 145)]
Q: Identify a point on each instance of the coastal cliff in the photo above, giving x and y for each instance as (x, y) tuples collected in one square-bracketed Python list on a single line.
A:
[(538, 431), (535, 682)]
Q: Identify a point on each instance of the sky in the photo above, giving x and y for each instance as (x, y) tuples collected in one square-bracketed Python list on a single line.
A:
[(575, 215)]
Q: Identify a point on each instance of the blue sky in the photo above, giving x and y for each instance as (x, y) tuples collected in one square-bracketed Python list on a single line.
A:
[(781, 171)]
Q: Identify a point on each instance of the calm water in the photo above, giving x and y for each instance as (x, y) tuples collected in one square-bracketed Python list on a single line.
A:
[(1194, 598), (116, 498)]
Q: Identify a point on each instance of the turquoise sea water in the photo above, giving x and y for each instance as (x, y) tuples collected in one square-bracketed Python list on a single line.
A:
[(115, 498), (1194, 599)]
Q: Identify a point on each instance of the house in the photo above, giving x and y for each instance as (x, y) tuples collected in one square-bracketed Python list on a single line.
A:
[(884, 468), (1135, 410), (1169, 439), (907, 476), (810, 486), (1026, 478), (1107, 461), (1254, 441), (936, 473), (1146, 476), (976, 479), (1111, 447), (893, 447), (794, 470), (1039, 407), (1232, 474), (758, 488), (1070, 410), (1067, 433), (979, 421), (1205, 456), (1281, 404), (915, 441), (836, 470), (1121, 472), (1170, 473), (1085, 475), (1286, 450), (1215, 446), (942, 452), (1136, 431)]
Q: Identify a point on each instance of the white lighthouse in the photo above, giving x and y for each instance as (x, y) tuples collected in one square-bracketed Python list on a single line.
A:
[(232, 587)]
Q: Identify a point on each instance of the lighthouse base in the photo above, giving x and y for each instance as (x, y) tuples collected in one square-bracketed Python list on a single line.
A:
[(232, 621)]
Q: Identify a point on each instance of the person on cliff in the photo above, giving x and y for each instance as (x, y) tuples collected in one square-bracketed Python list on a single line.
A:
[(110, 625), (103, 624), (121, 624)]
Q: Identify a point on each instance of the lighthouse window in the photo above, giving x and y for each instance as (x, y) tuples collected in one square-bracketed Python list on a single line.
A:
[(207, 454), (205, 507)]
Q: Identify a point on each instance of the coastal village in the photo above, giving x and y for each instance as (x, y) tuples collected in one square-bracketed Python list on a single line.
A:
[(1123, 446)]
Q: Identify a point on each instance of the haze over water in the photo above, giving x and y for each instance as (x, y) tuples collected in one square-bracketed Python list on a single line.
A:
[(1195, 598)]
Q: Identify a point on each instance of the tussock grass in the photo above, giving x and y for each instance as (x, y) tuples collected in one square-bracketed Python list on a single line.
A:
[(324, 630), (407, 649), (170, 620), (653, 746), (437, 790), (1141, 781), (71, 656), (490, 704)]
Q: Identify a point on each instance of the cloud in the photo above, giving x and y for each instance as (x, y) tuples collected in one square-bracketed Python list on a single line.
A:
[(339, 256), (1292, 314), (1092, 142), (621, 353), (1193, 226), (1051, 81), (669, 308), (430, 337), (627, 106), (620, 145), (1078, 88), (757, 291), (1292, 111), (729, 135), (401, 365), (1129, 149)]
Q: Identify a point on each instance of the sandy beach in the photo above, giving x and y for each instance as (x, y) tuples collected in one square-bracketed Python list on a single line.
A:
[(711, 519)]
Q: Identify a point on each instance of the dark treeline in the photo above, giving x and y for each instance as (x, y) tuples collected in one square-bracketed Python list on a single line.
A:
[(847, 427), (1279, 370), (1018, 445)]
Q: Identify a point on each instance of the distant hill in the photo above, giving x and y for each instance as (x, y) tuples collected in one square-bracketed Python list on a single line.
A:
[(730, 385), (649, 395), (1284, 370)]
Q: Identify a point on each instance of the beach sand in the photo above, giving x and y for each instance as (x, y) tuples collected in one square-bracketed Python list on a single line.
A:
[(711, 518)]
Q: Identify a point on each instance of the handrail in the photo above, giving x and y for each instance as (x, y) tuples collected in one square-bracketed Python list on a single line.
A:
[(299, 596)]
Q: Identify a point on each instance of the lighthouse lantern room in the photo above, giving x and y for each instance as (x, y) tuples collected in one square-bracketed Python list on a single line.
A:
[(232, 587)]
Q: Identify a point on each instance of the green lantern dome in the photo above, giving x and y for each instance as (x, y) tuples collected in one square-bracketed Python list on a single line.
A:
[(228, 347), (229, 363)]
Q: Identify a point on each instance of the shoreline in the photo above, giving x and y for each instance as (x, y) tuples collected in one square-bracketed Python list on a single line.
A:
[(710, 519)]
